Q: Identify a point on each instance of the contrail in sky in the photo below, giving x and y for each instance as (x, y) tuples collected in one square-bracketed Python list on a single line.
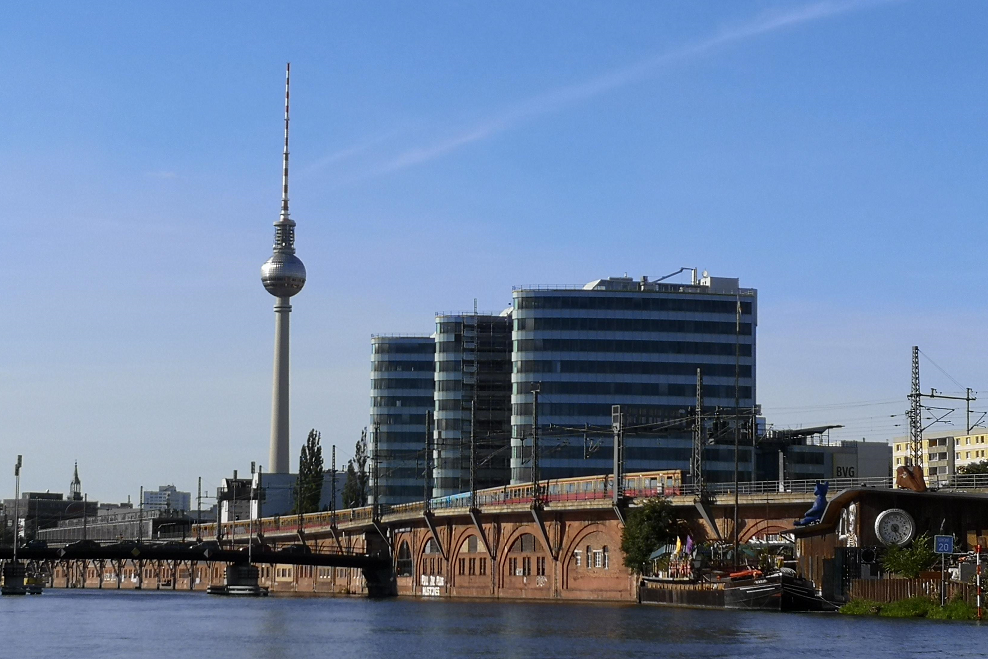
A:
[(558, 98)]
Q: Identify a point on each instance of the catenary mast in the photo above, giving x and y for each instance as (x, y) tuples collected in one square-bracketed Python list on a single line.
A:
[(283, 275)]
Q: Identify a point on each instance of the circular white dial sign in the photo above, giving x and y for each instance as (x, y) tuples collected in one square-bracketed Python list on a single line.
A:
[(895, 527)]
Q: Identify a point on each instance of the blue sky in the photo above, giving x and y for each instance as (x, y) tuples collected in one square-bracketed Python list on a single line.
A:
[(831, 154)]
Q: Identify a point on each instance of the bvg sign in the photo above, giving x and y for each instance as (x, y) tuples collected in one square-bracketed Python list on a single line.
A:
[(845, 466)]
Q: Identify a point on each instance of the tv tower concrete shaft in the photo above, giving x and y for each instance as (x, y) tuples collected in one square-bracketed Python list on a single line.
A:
[(278, 458), (283, 275)]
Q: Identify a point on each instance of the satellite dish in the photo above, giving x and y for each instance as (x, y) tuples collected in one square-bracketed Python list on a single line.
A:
[(706, 274)]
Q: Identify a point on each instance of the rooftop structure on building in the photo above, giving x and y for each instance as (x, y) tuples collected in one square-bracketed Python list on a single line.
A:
[(637, 344)]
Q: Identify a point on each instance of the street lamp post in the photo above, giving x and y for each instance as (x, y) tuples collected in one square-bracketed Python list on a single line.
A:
[(17, 496)]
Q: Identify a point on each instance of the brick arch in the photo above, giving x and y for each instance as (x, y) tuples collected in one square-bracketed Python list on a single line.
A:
[(578, 539), (454, 550), (762, 526), (419, 551), (502, 556), (461, 536)]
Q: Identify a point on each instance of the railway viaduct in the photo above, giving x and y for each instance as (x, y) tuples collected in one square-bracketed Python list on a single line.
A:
[(565, 545)]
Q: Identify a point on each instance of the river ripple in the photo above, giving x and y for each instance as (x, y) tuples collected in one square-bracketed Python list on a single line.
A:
[(111, 625)]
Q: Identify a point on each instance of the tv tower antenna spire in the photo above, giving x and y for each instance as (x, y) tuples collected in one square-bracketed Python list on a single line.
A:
[(283, 275)]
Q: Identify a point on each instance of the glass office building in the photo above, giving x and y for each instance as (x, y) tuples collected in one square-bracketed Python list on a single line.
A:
[(402, 369), (473, 401), (637, 344)]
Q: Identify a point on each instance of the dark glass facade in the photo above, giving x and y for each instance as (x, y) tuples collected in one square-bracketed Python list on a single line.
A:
[(402, 385), (472, 395), (637, 344)]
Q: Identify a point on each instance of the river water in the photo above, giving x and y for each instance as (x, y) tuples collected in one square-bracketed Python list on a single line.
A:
[(110, 625)]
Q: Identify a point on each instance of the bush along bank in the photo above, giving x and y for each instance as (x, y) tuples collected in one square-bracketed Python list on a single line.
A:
[(914, 607)]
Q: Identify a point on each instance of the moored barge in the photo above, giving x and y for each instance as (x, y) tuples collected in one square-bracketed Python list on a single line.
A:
[(781, 590)]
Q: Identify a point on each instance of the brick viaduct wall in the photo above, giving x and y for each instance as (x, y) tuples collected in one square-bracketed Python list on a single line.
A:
[(577, 556)]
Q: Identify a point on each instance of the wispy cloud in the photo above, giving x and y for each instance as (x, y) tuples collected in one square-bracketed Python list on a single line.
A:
[(348, 152), (561, 97)]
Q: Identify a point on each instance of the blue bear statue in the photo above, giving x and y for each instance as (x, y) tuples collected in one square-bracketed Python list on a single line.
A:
[(813, 515)]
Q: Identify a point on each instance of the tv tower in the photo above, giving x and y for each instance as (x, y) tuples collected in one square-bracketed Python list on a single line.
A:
[(283, 275)]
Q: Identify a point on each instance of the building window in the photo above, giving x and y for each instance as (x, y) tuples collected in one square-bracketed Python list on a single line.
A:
[(576, 557), (483, 565), (404, 565), (540, 566), (607, 560), (513, 567), (473, 566), (462, 564)]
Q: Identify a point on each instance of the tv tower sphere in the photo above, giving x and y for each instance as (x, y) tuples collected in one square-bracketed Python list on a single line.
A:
[(283, 275)]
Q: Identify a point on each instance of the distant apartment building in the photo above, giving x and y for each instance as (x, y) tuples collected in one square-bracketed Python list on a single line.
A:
[(638, 344), (402, 384), (168, 497), (971, 448), (944, 452), (472, 402)]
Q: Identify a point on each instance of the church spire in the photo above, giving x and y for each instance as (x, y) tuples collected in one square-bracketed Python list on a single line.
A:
[(75, 489)]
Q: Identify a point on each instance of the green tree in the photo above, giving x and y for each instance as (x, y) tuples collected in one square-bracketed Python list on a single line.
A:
[(308, 486), (648, 528), (355, 487), (974, 468), (910, 561)]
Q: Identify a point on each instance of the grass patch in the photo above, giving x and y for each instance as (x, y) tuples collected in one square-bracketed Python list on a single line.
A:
[(914, 607), (861, 608), (957, 609)]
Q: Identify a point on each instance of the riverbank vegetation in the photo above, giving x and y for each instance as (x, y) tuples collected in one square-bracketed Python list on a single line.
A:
[(909, 561), (913, 607), (648, 528)]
